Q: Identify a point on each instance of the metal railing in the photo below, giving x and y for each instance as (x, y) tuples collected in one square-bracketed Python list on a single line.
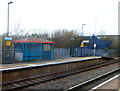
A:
[(83, 52), (16, 55), (9, 56)]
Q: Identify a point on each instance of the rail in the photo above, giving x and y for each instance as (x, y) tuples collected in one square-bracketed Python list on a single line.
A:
[(81, 85)]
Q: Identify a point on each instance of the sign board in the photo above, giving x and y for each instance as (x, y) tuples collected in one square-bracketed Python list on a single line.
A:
[(95, 45), (82, 45), (8, 43), (8, 38), (46, 47), (86, 41), (18, 56)]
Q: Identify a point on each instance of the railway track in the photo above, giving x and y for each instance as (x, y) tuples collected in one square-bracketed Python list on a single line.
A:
[(32, 80), (88, 85), (64, 83)]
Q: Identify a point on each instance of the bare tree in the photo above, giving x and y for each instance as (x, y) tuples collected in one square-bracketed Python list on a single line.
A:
[(63, 38), (39, 33), (19, 32)]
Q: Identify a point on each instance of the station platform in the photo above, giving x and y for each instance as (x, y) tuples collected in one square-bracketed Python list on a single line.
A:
[(44, 62), (113, 83)]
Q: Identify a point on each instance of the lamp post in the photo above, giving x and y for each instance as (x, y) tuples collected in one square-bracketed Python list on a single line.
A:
[(7, 39), (82, 27), (8, 19), (71, 47)]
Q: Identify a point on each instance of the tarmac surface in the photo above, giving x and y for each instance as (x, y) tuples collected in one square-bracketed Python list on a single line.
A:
[(41, 62)]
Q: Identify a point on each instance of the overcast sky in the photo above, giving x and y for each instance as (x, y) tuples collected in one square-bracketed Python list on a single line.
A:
[(51, 15)]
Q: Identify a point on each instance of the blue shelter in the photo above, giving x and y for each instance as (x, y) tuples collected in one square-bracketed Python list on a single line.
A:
[(35, 48)]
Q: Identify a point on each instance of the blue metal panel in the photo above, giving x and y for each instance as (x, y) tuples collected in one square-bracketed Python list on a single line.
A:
[(48, 54), (23, 50), (52, 51), (32, 51), (40, 50), (35, 51)]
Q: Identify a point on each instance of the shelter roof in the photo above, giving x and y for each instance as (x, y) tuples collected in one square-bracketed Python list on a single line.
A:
[(33, 40)]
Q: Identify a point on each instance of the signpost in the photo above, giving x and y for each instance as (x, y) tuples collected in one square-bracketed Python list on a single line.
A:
[(94, 45), (8, 40), (95, 48), (8, 43), (82, 44)]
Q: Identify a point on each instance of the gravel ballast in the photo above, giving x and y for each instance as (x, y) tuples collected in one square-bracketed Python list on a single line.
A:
[(72, 80)]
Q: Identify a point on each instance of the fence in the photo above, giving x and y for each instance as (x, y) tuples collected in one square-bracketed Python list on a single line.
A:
[(61, 53), (83, 52), (10, 55)]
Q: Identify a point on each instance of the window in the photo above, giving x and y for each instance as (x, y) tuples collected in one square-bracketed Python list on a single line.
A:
[(46, 47)]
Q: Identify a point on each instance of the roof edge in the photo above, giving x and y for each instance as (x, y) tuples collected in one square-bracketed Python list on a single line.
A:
[(33, 42)]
